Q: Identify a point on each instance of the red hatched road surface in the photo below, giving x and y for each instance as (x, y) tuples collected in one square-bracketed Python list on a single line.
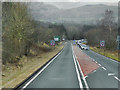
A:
[(87, 65)]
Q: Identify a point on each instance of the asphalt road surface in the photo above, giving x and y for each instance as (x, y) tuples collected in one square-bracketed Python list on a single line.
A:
[(107, 75), (64, 71), (61, 73)]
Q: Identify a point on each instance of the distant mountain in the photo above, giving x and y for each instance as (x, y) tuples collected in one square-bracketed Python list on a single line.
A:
[(40, 10), (87, 14)]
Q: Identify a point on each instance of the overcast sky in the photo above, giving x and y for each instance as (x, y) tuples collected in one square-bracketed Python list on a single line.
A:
[(65, 0)]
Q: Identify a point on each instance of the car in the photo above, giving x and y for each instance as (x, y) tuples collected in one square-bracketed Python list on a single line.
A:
[(85, 47), (79, 42)]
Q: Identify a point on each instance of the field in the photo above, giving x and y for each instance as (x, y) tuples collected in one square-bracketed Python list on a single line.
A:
[(12, 75), (107, 53)]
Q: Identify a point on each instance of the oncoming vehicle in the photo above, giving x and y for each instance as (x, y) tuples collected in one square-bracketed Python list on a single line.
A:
[(85, 47)]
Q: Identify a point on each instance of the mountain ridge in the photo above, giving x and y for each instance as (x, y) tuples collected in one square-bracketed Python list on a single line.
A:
[(82, 14)]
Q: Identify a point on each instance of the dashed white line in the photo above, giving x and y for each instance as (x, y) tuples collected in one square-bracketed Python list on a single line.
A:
[(117, 78), (99, 64), (111, 74), (40, 71), (104, 56), (104, 68), (96, 62)]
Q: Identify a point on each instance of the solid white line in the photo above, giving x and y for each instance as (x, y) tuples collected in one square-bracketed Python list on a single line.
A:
[(82, 75), (117, 78), (41, 71), (78, 75), (104, 68), (104, 56)]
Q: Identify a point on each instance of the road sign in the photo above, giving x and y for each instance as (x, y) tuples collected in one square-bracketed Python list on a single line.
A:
[(118, 37), (52, 42), (74, 42), (102, 43), (57, 38)]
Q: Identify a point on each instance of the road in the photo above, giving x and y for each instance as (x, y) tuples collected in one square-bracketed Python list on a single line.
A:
[(107, 75), (76, 68), (61, 73)]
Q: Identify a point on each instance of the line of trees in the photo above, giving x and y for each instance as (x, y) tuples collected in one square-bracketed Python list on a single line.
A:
[(21, 32), (105, 29)]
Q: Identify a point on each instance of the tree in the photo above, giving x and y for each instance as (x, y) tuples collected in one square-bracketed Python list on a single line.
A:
[(107, 24)]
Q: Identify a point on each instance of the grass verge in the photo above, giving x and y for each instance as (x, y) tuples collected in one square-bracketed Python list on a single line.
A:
[(12, 76), (107, 53)]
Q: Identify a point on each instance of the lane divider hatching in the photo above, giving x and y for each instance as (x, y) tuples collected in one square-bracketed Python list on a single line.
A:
[(41, 70), (79, 68), (82, 75), (109, 74), (96, 62), (78, 75)]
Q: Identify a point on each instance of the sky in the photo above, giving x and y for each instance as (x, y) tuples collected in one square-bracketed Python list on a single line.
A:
[(63, 0)]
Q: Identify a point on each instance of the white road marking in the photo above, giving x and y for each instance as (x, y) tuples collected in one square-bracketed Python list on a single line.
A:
[(82, 75), (104, 56), (104, 68), (96, 62), (117, 78), (99, 64), (41, 71), (78, 75), (85, 76), (111, 74), (94, 71), (81, 72)]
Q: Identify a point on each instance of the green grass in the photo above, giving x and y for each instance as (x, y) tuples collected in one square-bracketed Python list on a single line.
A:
[(107, 53), (13, 75)]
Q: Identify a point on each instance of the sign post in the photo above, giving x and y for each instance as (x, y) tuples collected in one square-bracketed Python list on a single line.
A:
[(102, 44), (118, 46), (118, 40)]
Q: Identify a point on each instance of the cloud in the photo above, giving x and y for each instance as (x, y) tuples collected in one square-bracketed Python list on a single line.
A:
[(61, 0)]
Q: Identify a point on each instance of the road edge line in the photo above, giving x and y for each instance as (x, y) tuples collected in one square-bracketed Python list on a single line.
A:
[(42, 68), (105, 56)]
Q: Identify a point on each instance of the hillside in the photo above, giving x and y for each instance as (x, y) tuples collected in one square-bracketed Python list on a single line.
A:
[(86, 14)]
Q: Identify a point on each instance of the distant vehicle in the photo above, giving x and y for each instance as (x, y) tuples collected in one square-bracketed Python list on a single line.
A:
[(85, 47), (63, 39), (79, 42)]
